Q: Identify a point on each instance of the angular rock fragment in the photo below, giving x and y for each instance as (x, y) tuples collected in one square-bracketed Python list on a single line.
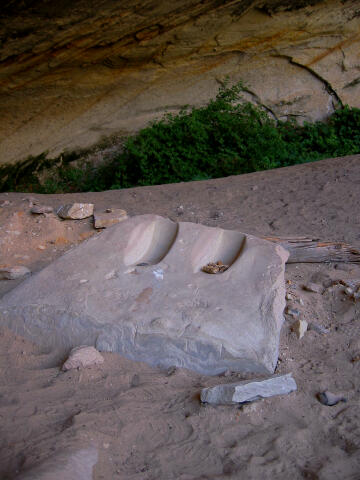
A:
[(214, 268), (330, 399), (76, 211), (248, 390), (108, 218), (166, 312), (41, 209), (300, 327), (82, 357), (314, 288), (318, 328), (293, 312), (12, 273)]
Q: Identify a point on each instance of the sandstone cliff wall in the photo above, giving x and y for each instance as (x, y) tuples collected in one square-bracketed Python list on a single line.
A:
[(72, 72)]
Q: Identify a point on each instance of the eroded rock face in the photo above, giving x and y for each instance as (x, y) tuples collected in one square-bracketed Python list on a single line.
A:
[(72, 72), (139, 289)]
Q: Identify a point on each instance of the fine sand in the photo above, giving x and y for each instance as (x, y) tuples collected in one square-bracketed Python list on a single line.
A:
[(147, 424)]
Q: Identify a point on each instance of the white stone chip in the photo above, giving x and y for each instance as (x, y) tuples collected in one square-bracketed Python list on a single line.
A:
[(300, 327)]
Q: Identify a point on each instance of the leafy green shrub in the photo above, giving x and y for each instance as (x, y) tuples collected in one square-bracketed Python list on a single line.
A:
[(228, 136)]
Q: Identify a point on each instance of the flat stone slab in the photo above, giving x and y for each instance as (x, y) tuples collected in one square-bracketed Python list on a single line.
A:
[(139, 289), (109, 217), (248, 390)]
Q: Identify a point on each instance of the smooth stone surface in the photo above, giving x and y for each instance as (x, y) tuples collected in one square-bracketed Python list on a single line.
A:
[(148, 299), (109, 218), (82, 357), (249, 390), (12, 273), (41, 209), (76, 211)]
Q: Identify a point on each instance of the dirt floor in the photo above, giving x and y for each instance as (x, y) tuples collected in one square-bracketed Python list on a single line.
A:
[(147, 424)]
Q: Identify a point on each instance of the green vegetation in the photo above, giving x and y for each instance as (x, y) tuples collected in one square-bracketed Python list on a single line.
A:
[(226, 137)]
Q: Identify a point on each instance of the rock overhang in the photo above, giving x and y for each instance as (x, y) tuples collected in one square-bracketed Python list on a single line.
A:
[(72, 72)]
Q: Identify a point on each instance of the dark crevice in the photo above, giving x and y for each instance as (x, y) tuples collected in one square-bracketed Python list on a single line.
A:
[(329, 88)]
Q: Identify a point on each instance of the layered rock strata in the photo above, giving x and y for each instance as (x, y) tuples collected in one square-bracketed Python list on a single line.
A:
[(73, 72)]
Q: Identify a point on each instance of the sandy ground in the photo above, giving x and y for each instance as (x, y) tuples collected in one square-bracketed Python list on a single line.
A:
[(149, 424)]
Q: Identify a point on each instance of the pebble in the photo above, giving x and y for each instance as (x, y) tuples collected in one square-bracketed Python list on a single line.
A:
[(82, 357), (12, 273), (170, 371), (318, 328), (135, 381), (41, 209), (110, 275), (110, 217), (330, 399), (314, 288), (250, 407), (76, 211), (300, 327), (293, 312)]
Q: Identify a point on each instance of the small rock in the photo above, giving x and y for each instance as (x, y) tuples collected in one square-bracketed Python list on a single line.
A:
[(5, 203), (356, 358), (301, 301), (293, 312), (41, 209), (110, 275), (83, 280), (83, 356), (76, 211), (12, 273), (330, 399), (111, 216), (349, 291), (249, 407), (248, 390), (289, 296), (318, 328), (214, 268), (170, 371), (300, 327), (131, 270), (135, 381), (314, 288)]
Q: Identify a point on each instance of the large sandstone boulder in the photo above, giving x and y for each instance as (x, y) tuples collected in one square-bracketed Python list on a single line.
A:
[(73, 72), (139, 289)]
